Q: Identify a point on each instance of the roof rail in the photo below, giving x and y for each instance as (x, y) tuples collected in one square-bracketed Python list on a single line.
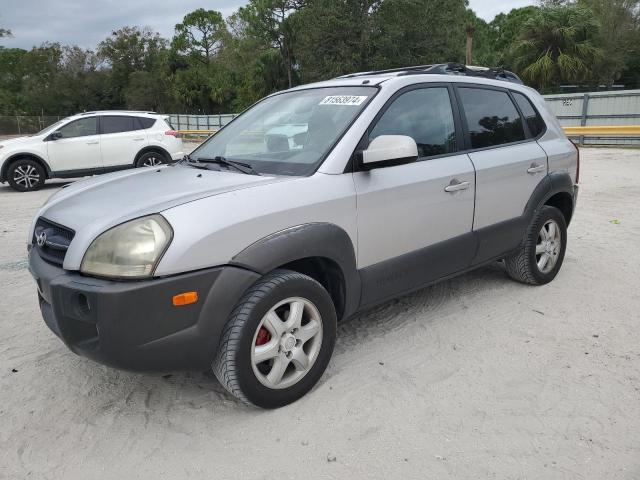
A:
[(389, 70), (494, 73), (117, 111)]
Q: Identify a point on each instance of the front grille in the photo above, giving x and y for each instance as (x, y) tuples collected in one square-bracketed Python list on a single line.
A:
[(52, 241)]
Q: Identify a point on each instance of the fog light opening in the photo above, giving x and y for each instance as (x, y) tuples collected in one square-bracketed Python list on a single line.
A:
[(84, 307)]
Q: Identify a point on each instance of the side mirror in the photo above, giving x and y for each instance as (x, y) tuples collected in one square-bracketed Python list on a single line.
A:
[(390, 149), (55, 136)]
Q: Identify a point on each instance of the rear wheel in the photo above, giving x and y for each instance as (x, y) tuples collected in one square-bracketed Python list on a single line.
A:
[(26, 175), (151, 159), (543, 248), (278, 340)]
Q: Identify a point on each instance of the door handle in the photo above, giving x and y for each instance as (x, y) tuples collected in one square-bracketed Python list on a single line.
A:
[(456, 185), (535, 168), (138, 139), (93, 143)]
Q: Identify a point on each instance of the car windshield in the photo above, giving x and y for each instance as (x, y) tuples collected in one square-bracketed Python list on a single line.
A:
[(50, 128), (289, 133)]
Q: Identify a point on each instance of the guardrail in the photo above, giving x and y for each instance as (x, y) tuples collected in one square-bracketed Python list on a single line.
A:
[(605, 130), (597, 131)]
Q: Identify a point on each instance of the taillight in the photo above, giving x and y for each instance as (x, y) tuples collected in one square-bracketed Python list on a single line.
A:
[(173, 133)]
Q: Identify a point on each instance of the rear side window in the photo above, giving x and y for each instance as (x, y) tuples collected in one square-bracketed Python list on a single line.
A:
[(531, 116), (492, 118), (117, 124), (142, 123), (424, 115), (80, 128)]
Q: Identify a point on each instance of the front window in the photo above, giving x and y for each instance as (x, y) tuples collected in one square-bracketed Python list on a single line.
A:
[(289, 133), (80, 128)]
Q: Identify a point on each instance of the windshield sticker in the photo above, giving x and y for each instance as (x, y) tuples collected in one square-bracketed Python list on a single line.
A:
[(343, 100)]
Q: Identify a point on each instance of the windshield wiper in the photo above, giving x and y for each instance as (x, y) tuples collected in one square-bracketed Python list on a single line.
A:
[(239, 166)]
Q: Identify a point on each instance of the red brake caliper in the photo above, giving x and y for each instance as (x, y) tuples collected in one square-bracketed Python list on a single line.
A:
[(263, 336)]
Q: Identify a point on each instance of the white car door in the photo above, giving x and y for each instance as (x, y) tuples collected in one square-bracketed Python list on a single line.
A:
[(121, 139), (75, 146)]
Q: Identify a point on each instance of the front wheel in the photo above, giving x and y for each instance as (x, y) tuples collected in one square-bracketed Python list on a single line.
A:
[(278, 340), (26, 175), (542, 252)]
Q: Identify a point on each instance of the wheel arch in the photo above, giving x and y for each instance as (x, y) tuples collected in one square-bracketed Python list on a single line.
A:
[(31, 156), (322, 251), (557, 190)]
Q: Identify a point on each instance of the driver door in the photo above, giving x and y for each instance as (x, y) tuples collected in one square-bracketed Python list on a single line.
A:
[(415, 220), (78, 147)]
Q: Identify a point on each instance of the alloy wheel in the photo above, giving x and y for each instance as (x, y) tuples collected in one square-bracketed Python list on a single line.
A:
[(26, 175), (548, 246), (286, 343), (152, 161)]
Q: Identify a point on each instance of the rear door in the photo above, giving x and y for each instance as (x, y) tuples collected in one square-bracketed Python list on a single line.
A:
[(78, 148), (122, 137), (509, 166), (410, 229)]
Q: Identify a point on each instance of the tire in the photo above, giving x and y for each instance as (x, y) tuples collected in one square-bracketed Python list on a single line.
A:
[(151, 159), (527, 265), (252, 354), (26, 175)]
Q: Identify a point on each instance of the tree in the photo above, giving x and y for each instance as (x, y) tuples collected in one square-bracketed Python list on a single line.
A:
[(270, 22), (558, 45), (336, 37), (200, 35), (619, 35), (5, 33), (128, 50), (414, 32), (505, 30)]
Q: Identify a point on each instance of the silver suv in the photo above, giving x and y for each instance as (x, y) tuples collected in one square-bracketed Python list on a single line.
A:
[(315, 203)]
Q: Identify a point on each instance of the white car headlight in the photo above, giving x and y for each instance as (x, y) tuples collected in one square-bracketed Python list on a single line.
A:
[(130, 250)]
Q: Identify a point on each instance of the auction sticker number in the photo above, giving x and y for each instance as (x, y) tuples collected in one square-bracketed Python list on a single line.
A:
[(343, 100)]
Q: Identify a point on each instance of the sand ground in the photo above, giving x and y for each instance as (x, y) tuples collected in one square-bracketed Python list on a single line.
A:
[(476, 377)]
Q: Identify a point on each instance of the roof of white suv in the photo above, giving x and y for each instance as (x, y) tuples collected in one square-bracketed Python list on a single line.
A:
[(125, 113)]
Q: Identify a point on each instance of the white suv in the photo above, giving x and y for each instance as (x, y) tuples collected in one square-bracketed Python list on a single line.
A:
[(88, 144)]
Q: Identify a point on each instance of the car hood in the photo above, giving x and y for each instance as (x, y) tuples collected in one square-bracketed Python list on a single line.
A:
[(102, 202), (15, 142)]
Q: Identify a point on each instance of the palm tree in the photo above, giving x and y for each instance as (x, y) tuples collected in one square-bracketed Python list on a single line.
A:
[(558, 45)]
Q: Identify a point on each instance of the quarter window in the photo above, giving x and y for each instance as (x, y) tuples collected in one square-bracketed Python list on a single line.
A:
[(531, 116), (142, 123), (117, 124), (424, 115), (492, 118), (80, 128)]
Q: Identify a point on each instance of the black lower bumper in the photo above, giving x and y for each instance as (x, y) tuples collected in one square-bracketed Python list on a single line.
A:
[(134, 325)]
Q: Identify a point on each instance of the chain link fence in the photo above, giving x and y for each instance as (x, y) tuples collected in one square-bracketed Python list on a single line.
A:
[(26, 125)]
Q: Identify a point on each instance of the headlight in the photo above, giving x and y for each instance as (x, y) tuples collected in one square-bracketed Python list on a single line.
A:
[(130, 250)]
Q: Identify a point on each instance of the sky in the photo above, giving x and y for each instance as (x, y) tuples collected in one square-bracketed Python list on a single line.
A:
[(87, 22)]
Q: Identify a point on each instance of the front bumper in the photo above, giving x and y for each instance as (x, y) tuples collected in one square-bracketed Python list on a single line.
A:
[(134, 325)]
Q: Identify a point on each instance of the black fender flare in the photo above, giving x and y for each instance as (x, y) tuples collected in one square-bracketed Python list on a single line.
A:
[(552, 184), (16, 156), (323, 240)]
